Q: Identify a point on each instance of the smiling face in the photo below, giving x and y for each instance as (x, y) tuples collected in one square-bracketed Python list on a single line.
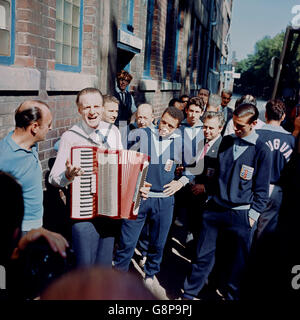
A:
[(91, 109), (123, 83), (167, 125), (110, 112), (211, 128)]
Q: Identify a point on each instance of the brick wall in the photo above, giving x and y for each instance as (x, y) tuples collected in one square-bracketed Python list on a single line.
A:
[(33, 74)]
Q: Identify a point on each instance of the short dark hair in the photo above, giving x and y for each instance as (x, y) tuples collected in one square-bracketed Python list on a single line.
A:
[(275, 109), (175, 113), (183, 96), (33, 113), (247, 98), (227, 91), (204, 89), (247, 109), (11, 197), (196, 101), (87, 90), (172, 102), (212, 114)]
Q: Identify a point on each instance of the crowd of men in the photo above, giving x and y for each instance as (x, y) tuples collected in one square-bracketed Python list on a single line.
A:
[(216, 170)]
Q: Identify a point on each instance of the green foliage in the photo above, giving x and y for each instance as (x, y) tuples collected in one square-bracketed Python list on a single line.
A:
[(255, 78)]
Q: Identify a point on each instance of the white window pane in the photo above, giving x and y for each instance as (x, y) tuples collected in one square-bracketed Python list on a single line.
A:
[(67, 12), (3, 23), (76, 16), (67, 31), (59, 9), (66, 55), (75, 37), (75, 56), (4, 42), (67, 34), (58, 53), (59, 31)]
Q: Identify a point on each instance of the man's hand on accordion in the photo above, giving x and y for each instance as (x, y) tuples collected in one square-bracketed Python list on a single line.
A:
[(72, 171), (145, 189), (172, 187)]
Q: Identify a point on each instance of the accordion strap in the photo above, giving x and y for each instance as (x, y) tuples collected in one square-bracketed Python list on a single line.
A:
[(103, 138)]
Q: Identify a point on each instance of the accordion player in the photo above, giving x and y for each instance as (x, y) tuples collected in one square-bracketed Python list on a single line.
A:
[(110, 184)]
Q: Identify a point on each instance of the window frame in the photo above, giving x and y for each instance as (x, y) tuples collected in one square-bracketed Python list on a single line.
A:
[(148, 41), (73, 68), (129, 22), (8, 60)]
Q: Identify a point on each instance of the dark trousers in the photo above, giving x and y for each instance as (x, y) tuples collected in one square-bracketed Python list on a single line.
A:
[(93, 241), (237, 223), (158, 212), (267, 221)]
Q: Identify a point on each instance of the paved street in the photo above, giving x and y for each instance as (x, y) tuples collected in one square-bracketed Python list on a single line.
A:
[(175, 264)]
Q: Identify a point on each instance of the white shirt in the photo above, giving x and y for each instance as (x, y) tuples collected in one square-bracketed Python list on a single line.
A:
[(70, 139)]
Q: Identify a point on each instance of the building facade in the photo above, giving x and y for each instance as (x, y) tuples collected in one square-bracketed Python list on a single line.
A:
[(51, 49)]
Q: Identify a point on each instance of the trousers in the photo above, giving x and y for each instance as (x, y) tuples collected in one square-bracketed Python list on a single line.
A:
[(158, 212)]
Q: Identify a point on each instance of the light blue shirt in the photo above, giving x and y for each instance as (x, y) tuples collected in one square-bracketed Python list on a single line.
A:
[(24, 166), (241, 144)]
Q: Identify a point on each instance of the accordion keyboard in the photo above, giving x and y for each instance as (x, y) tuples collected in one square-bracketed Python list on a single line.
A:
[(84, 185)]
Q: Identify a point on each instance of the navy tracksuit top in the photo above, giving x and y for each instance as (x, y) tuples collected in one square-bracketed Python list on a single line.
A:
[(246, 179), (281, 143), (165, 154)]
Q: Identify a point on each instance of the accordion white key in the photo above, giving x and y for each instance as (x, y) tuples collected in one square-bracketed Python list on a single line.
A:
[(110, 184)]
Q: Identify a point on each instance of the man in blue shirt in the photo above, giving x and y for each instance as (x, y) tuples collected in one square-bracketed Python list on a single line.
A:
[(281, 144), (243, 175), (19, 157), (192, 133)]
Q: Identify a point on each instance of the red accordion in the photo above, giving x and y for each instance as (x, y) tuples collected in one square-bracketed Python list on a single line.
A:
[(110, 184)]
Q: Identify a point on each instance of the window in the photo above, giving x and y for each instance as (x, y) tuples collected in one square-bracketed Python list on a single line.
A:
[(150, 13), (69, 16), (7, 31), (127, 15), (168, 48)]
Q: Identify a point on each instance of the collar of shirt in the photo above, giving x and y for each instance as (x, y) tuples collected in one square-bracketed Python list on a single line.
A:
[(87, 130), (15, 147), (211, 142), (250, 139), (118, 89), (199, 124), (274, 128), (173, 135)]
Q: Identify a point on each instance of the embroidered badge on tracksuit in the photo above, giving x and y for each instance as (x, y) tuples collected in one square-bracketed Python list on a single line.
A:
[(168, 165), (246, 172)]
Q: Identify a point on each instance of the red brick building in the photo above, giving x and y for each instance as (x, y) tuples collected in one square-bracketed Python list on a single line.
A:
[(51, 49)]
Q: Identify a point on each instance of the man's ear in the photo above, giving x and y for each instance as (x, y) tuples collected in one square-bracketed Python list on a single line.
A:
[(254, 123), (34, 127)]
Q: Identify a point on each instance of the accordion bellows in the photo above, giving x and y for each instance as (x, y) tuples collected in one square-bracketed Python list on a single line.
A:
[(110, 184)]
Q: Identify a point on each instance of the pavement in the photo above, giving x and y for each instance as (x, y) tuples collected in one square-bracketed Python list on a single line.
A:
[(168, 283)]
